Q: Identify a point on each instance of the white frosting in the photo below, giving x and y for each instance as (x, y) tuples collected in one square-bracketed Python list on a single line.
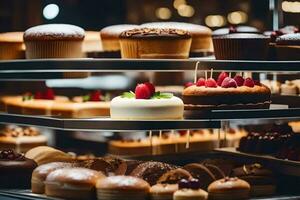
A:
[(125, 108)]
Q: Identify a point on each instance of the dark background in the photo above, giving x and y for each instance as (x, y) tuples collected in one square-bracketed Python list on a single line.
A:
[(18, 15)]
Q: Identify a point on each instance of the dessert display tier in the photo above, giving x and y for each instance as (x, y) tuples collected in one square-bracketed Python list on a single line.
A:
[(54, 68), (209, 119), (287, 167), (27, 195)]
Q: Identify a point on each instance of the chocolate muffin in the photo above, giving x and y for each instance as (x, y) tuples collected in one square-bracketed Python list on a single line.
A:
[(241, 46), (288, 46), (155, 43), (261, 180), (151, 171), (54, 41), (15, 170)]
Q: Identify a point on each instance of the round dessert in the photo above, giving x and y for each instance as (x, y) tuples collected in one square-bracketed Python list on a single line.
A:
[(174, 176), (11, 45), (54, 41), (146, 103), (151, 171), (201, 35), (44, 154), (163, 191), (226, 93), (288, 46), (261, 180), (152, 43), (21, 139), (238, 29), (202, 173), (241, 46), (110, 36), (289, 88), (229, 189), (72, 183), (122, 187), (190, 190), (40, 174), (15, 170)]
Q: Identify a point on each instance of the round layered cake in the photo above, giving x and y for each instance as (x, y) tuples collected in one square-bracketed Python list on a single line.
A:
[(145, 103), (226, 93)]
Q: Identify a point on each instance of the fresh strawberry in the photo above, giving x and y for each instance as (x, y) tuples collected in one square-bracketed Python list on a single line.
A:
[(256, 82), (188, 84), (211, 83), (142, 91), (150, 87), (221, 77), (249, 82), (229, 83), (239, 80), (200, 82), (49, 94), (95, 96), (38, 95)]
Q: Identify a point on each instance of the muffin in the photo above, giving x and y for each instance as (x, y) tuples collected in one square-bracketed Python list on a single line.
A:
[(163, 191), (190, 190), (241, 46), (155, 43), (54, 41), (11, 45), (288, 47), (40, 174), (122, 187), (261, 180), (201, 36), (72, 183), (229, 189), (110, 36)]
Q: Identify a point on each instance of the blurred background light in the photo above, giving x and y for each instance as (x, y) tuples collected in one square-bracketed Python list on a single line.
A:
[(291, 6), (178, 3), (163, 13), (186, 10), (237, 17), (215, 20), (50, 11)]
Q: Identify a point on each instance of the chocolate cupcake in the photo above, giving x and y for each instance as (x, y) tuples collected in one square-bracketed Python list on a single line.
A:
[(155, 43), (54, 41), (288, 47), (241, 46)]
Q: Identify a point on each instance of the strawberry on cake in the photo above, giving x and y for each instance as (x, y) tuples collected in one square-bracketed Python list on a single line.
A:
[(226, 93), (146, 103)]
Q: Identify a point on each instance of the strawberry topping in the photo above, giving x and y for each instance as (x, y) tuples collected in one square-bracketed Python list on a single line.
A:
[(211, 83), (249, 82), (38, 95), (239, 80), (221, 77), (200, 82), (49, 94), (229, 83), (188, 84), (142, 91), (150, 87), (95, 96)]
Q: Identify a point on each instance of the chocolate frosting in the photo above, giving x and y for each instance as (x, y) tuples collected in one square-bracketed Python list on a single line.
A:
[(155, 32)]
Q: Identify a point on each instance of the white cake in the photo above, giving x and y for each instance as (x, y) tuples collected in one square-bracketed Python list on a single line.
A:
[(131, 108)]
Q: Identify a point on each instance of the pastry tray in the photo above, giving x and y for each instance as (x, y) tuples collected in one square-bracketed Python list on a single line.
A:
[(286, 167), (54, 68), (27, 195)]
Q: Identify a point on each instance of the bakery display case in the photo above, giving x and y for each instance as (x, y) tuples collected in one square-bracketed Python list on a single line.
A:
[(151, 110)]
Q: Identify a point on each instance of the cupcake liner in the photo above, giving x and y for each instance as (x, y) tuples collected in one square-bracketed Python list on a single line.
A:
[(110, 44), (240, 49), (129, 48), (53, 49), (113, 194), (11, 50), (164, 48)]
